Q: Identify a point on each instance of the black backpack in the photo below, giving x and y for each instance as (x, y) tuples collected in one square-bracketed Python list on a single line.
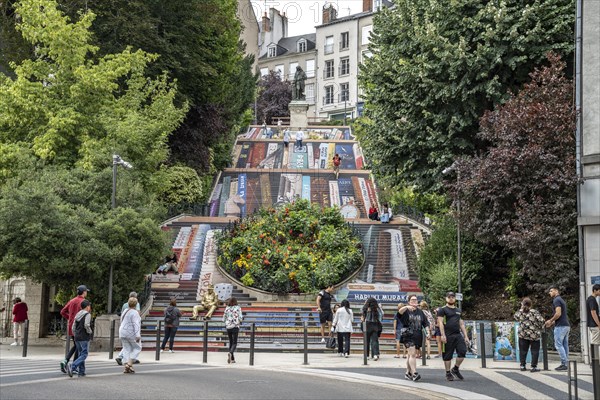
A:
[(79, 332)]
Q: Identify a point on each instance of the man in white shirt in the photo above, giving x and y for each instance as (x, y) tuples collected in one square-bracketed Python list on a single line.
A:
[(299, 138)]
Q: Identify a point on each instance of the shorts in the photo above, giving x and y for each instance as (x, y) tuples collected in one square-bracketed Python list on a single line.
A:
[(454, 342), (436, 333), (594, 335), (325, 316)]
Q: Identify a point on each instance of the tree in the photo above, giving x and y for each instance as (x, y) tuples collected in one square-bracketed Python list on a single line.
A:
[(438, 65), (521, 194), (274, 96)]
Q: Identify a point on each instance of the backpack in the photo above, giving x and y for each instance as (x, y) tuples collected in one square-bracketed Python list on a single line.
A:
[(79, 333)]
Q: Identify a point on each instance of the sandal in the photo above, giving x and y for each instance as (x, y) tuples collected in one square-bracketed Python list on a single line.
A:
[(129, 369)]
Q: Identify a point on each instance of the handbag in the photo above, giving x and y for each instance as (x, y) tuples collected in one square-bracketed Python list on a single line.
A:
[(330, 342)]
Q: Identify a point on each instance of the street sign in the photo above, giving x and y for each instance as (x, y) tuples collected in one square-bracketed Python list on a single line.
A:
[(459, 296)]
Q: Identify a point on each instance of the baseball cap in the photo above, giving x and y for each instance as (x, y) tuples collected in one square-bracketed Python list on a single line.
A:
[(450, 294), (82, 288)]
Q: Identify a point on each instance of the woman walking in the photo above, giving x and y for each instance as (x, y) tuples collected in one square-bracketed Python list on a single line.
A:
[(342, 324), (372, 314), (397, 329), (414, 321), (531, 324), (130, 333), (172, 315), (431, 322), (233, 319)]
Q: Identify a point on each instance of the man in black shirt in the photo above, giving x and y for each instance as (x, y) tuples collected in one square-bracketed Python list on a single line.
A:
[(324, 308), (593, 318), (451, 326), (562, 327)]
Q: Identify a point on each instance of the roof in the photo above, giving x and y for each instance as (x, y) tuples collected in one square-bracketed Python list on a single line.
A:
[(347, 18), (287, 46)]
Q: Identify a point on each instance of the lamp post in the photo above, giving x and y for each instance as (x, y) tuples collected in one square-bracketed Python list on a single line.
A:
[(454, 167), (117, 160)]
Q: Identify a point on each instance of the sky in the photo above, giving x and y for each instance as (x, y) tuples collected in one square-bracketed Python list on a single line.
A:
[(304, 15)]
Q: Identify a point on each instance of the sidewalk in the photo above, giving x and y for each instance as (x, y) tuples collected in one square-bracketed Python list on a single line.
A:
[(500, 380)]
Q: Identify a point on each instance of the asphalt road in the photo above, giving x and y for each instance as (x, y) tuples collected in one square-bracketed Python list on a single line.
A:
[(43, 380)]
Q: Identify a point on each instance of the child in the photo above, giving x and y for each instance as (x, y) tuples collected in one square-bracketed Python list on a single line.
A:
[(82, 331)]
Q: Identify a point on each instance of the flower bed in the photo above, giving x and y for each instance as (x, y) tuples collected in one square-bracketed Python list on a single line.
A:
[(297, 248)]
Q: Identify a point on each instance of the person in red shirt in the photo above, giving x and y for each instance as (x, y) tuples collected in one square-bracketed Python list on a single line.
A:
[(20, 316), (68, 312), (373, 213), (337, 161)]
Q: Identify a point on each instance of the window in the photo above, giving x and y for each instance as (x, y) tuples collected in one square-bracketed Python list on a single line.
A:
[(344, 41), (272, 51), (328, 45), (301, 46), (344, 92), (328, 73), (310, 93), (279, 70), (264, 72), (328, 99), (345, 66), (292, 70), (310, 68), (366, 34)]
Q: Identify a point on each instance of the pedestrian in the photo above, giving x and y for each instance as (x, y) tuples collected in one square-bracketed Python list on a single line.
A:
[(299, 138), (372, 314), (82, 332), (286, 138), (411, 335), (172, 315), (69, 311), (397, 328), (531, 324), (593, 315), (130, 333), (386, 214), (19, 317), (425, 308), (436, 334), (337, 161), (324, 308), (232, 316), (373, 213), (562, 327), (125, 307), (279, 127), (342, 324), (451, 325)]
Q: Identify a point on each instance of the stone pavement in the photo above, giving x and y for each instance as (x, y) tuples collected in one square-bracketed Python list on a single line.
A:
[(497, 381)]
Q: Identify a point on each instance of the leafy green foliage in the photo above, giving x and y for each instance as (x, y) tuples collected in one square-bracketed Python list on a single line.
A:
[(438, 65), (178, 184), (521, 194), (294, 249)]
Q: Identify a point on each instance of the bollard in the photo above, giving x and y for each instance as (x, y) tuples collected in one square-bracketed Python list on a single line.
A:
[(365, 344), (424, 351), (205, 347), (25, 334), (482, 344), (595, 361), (545, 349), (252, 334), (573, 379), (158, 329), (305, 343), (111, 344)]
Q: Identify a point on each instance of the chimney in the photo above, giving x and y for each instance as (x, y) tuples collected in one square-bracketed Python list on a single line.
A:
[(329, 13), (266, 23), (367, 5)]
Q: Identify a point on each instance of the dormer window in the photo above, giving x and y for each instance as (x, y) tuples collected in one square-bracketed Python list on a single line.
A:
[(272, 51), (301, 45)]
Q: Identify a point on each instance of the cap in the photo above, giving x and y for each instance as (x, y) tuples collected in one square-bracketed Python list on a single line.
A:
[(82, 288), (450, 294)]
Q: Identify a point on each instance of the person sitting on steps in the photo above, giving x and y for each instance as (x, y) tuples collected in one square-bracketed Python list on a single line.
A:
[(209, 302), (168, 266)]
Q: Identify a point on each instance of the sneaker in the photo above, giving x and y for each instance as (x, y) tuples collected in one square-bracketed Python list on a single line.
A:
[(63, 366), (416, 377), (408, 376), (375, 358), (228, 358), (69, 370), (346, 355), (561, 367), (535, 369), (136, 361), (161, 350), (14, 344), (171, 351), (119, 360), (523, 368), (449, 376), (322, 340), (457, 373)]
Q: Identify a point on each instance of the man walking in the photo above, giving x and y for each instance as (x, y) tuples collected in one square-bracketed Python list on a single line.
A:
[(82, 332), (561, 328), (593, 317), (20, 316), (324, 308), (68, 312), (451, 326)]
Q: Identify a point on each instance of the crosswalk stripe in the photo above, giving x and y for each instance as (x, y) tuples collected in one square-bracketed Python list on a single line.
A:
[(511, 385)]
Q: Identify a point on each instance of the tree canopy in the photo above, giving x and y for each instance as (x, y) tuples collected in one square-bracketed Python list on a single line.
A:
[(274, 96), (438, 65)]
